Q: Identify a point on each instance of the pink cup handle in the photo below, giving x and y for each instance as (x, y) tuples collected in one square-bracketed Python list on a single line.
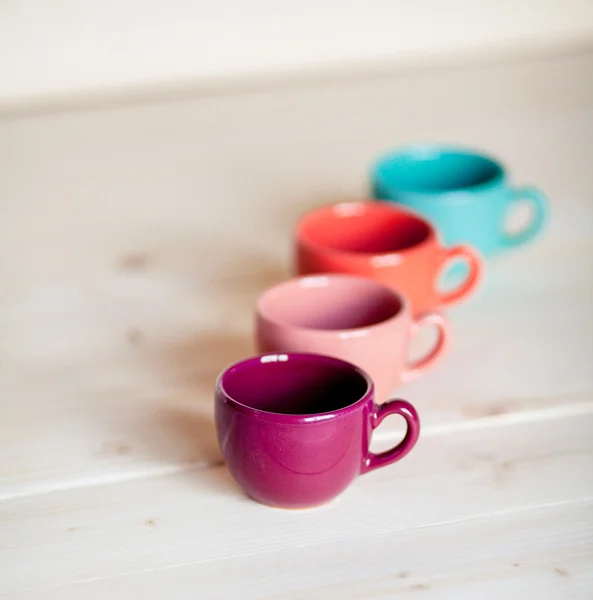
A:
[(408, 412), (418, 367), (473, 278)]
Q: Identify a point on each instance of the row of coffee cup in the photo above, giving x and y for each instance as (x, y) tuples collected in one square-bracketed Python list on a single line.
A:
[(294, 423)]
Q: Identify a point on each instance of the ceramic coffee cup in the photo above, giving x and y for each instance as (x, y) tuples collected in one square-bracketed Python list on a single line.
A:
[(465, 194), (349, 317), (387, 243), (295, 429)]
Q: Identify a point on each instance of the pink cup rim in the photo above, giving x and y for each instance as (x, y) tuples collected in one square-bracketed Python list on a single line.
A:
[(384, 258), (404, 305), (294, 419)]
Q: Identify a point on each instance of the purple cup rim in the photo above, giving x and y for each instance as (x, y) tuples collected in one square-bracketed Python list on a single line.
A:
[(295, 419)]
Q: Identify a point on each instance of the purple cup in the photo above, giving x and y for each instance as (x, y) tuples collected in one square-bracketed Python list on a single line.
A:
[(295, 429)]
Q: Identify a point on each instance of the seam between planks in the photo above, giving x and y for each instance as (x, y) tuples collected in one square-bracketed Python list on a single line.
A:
[(482, 423)]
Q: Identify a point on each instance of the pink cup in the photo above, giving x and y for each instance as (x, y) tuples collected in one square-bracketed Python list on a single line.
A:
[(349, 317)]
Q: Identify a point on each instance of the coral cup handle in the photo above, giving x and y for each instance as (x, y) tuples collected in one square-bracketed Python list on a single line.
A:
[(469, 255)]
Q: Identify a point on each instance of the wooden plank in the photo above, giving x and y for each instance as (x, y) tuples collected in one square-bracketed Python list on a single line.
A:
[(542, 552), (200, 516), (134, 283)]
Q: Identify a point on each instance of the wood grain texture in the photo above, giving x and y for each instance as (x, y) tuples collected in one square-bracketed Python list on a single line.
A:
[(133, 243), (492, 557), (116, 313), (201, 516)]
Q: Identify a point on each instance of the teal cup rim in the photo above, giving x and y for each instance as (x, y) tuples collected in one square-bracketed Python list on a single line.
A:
[(493, 173)]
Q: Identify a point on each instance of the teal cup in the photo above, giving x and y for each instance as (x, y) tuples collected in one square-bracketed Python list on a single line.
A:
[(464, 194)]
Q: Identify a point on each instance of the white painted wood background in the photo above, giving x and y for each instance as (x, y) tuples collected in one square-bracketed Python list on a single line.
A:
[(134, 239), (65, 48)]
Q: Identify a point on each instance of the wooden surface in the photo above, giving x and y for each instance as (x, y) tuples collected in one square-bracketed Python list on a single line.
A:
[(133, 242)]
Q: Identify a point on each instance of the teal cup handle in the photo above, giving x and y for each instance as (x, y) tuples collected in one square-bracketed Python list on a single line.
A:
[(539, 203)]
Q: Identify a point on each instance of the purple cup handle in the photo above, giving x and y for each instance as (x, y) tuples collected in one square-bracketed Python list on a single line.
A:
[(408, 412)]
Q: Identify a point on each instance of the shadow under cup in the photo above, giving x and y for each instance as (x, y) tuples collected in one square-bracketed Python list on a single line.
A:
[(295, 429)]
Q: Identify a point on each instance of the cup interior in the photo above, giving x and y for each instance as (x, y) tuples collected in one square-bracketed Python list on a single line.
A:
[(295, 384), (436, 170), (364, 227), (330, 303)]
